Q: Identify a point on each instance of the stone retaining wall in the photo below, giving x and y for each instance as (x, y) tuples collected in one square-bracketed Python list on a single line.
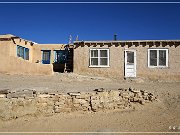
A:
[(29, 102)]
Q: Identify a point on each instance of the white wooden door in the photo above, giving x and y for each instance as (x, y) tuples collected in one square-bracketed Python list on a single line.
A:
[(130, 63)]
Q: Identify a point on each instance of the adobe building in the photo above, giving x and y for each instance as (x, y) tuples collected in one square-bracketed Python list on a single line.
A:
[(20, 56), (151, 59)]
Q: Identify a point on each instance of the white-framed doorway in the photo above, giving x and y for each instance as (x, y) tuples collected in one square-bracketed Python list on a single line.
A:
[(130, 63)]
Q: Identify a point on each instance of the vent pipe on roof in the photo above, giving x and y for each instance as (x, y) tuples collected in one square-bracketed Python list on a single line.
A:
[(115, 37)]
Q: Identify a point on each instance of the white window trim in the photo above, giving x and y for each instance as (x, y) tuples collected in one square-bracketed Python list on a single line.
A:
[(99, 57), (167, 58)]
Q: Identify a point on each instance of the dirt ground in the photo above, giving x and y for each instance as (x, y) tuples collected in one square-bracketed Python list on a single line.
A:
[(155, 117)]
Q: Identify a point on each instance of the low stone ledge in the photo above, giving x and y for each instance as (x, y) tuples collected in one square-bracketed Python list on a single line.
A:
[(29, 102)]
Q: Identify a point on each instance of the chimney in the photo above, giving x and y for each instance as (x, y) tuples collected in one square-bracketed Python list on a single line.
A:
[(115, 37)]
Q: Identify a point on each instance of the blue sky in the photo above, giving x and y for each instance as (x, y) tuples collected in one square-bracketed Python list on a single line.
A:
[(53, 23)]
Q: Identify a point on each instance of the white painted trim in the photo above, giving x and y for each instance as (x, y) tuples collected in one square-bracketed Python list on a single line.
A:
[(99, 49), (99, 66), (157, 49)]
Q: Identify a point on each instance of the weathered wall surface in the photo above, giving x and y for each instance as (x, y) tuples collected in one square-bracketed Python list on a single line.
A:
[(116, 69), (12, 64), (172, 72), (37, 51), (28, 102)]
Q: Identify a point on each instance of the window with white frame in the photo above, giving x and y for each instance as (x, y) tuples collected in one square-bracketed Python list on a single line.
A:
[(157, 57), (99, 57)]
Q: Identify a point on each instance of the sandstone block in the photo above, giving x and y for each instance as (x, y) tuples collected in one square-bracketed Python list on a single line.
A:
[(20, 94), (141, 101), (57, 110), (104, 94), (135, 99), (43, 96), (50, 103), (42, 100), (95, 97), (114, 93), (3, 96), (59, 103), (100, 90), (4, 91), (74, 93)]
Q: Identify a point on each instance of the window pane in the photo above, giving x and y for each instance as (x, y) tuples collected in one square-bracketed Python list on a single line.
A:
[(94, 53), (103, 53), (130, 57), (162, 57), (46, 55), (18, 51), (22, 52), (104, 61), (27, 54), (94, 61), (153, 57)]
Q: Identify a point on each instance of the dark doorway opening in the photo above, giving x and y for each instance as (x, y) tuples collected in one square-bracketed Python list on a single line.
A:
[(63, 61)]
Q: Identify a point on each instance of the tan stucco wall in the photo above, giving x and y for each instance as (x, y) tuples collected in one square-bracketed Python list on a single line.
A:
[(12, 64), (116, 69), (81, 62), (37, 50)]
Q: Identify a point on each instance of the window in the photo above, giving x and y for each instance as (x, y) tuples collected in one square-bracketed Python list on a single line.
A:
[(157, 57), (99, 57), (46, 56), (23, 52), (26, 54), (130, 58), (18, 51)]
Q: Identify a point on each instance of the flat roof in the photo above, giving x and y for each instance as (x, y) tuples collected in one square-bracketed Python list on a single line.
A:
[(120, 41)]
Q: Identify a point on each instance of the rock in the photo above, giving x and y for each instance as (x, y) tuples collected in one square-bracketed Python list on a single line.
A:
[(57, 110), (74, 93), (4, 91), (124, 94), (121, 89), (114, 93), (42, 100), (3, 96), (75, 101), (100, 90), (145, 93), (141, 101), (135, 99), (95, 97), (50, 103), (136, 91), (58, 103), (20, 94), (130, 89), (43, 96)]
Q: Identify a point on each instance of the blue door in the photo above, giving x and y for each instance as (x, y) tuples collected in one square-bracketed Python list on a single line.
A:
[(46, 56)]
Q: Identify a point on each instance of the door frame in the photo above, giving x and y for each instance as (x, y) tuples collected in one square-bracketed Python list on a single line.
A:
[(125, 62)]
